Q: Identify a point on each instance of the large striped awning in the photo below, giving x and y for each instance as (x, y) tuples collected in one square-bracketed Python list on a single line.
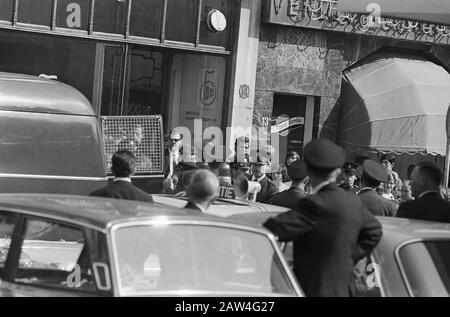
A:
[(395, 101)]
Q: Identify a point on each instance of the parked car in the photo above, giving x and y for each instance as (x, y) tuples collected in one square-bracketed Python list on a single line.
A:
[(58, 245), (51, 139), (222, 207), (412, 258)]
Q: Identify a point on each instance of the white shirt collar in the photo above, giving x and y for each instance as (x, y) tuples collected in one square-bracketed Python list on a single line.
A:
[(427, 192), (319, 187), (122, 179), (258, 179), (199, 207)]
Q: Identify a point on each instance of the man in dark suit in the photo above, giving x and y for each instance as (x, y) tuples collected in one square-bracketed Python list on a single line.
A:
[(331, 229), (373, 174), (290, 198), (123, 165), (202, 190), (268, 188), (428, 203)]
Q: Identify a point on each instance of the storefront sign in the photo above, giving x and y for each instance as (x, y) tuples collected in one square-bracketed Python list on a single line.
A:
[(415, 20), (282, 126)]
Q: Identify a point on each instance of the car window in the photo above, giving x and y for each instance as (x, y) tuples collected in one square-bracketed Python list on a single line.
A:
[(54, 255), (7, 222), (426, 267), (202, 259)]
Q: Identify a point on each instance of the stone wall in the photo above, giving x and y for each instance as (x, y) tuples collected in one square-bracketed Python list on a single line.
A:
[(310, 62)]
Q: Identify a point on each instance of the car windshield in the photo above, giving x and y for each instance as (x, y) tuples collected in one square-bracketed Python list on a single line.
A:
[(427, 267), (188, 259)]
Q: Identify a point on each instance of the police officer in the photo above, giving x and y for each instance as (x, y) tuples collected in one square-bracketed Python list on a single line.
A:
[(331, 229), (373, 174), (290, 198), (268, 187), (350, 177)]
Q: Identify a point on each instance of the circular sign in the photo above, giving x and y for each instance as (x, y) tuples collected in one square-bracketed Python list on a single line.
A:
[(216, 21), (244, 91)]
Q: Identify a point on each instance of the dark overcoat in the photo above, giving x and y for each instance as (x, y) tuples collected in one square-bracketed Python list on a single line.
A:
[(122, 190), (331, 231), (376, 204), (430, 207), (268, 189), (288, 198)]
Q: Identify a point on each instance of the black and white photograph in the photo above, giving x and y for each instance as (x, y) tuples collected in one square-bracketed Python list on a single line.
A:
[(225, 154)]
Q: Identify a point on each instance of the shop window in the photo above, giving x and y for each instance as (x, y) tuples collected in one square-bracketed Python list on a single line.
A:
[(71, 60), (110, 16), (181, 20), (112, 80), (6, 10), (211, 37), (146, 18), (73, 14), (54, 255), (144, 83), (35, 12), (197, 90)]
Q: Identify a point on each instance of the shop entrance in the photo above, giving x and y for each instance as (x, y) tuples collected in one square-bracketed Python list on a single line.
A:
[(292, 118)]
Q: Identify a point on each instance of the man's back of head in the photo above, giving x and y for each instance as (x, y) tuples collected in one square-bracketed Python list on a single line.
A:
[(426, 176), (123, 163), (203, 187)]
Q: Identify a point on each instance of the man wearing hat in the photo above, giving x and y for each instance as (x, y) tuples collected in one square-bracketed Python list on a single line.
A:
[(373, 174), (290, 198), (268, 188), (330, 228), (350, 177)]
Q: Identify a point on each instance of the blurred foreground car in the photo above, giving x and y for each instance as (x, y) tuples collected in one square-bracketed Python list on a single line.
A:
[(55, 245), (412, 258), (222, 207)]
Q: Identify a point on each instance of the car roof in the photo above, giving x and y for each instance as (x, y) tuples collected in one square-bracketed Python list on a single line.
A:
[(95, 211), (396, 230), (20, 92), (222, 207)]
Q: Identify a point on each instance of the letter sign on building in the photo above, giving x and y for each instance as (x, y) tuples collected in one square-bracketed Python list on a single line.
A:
[(74, 18)]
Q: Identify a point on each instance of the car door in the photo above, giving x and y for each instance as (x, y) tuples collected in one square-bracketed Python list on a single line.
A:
[(44, 257)]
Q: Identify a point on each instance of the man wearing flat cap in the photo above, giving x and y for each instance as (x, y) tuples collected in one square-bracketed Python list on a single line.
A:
[(268, 188), (350, 177), (330, 228), (373, 174), (290, 198)]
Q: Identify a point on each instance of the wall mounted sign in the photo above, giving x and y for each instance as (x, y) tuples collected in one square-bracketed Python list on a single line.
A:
[(288, 124), (216, 21), (244, 91)]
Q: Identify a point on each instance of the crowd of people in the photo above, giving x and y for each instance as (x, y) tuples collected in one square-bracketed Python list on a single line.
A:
[(331, 222)]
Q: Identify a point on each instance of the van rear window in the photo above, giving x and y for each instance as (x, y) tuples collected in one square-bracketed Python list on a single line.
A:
[(50, 144)]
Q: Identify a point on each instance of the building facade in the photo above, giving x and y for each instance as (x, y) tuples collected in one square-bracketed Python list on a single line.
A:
[(305, 46)]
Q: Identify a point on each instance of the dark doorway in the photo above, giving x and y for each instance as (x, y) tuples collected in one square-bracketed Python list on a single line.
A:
[(292, 135)]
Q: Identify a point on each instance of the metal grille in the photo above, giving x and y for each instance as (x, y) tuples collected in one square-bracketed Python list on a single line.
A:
[(142, 135)]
